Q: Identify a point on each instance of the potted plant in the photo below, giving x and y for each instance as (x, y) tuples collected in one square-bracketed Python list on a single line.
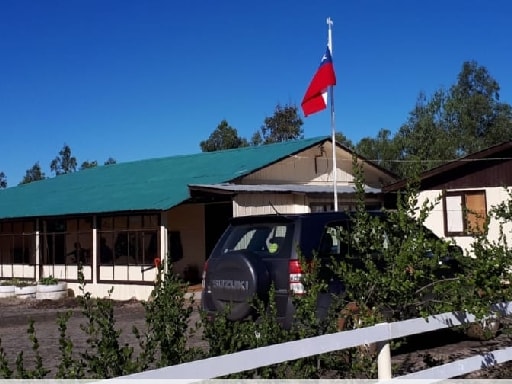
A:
[(51, 288), (6, 288), (24, 289)]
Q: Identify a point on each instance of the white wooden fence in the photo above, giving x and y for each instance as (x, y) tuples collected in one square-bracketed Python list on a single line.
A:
[(381, 333)]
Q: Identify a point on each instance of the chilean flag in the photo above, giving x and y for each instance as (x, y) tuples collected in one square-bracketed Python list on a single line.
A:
[(315, 99)]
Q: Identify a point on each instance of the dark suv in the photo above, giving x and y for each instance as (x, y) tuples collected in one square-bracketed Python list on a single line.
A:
[(256, 251)]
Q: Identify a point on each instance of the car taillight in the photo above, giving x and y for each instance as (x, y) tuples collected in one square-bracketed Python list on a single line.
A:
[(295, 272), (203, 282)]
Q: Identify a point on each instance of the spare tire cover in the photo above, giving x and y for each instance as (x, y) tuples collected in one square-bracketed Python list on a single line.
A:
[(235, 279)]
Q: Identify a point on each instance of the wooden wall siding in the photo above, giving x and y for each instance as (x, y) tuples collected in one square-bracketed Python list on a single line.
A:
[(258, 204), (489, 173), (314, 166)]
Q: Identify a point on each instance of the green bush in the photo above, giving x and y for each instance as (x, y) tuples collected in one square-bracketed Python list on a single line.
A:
[(49, 280)]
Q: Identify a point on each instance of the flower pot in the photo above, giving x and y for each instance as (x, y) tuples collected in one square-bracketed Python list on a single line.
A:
[(25, 292), (6, 291), (52, 292)]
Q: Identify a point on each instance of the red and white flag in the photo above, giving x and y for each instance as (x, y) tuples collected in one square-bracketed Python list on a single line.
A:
[(315, 99)]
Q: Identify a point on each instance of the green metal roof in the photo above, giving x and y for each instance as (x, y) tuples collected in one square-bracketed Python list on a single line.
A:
[(152, 184)]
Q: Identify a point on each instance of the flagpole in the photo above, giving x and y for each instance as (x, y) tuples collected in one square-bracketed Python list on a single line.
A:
[(333, 126)]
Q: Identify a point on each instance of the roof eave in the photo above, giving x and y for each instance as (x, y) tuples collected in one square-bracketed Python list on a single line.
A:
[(452, 165)]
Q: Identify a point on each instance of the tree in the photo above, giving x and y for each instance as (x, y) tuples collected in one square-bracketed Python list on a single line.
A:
[(466, 118), (224, 137), (425, 139), (285, 124), (256, 139), (476, 116), (33, 174), (87, 164), (3, 180), (343, 140), (64, 163), (93, 164), (380, 149), (454, 123)]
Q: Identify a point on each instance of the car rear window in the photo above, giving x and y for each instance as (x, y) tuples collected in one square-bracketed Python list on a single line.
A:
[(266, 239)]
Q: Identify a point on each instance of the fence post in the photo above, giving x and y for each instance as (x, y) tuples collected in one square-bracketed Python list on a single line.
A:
[(384, 356), (384, 361)]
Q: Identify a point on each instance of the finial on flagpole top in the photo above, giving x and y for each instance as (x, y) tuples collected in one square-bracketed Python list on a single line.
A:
[(329, 33)]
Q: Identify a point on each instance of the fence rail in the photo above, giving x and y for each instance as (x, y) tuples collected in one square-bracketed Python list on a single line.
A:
[(215, 367)]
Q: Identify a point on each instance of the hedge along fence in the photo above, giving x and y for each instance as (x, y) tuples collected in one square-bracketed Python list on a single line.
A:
[(382, 333)]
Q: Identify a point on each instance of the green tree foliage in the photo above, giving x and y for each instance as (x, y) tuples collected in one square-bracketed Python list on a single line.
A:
[(110, 161), (3, 180), (424, 138), (224, 137), (452, 123), (379, 150), (64, 163), (92, 164), (344, 140), (285, 124), (474, 111), (33, 174), (86, 164)]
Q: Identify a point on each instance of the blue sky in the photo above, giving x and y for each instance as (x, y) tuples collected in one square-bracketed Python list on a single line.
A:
[(140, 79)]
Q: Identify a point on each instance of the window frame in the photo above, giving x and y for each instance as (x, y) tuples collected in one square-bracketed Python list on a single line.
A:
[(129, 236), (463, 212)]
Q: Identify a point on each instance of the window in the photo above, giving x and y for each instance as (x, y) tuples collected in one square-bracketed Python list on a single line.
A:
[(343, 206), (17, 242), (318, 207), (465, 212), (129, 240), (264, 239)]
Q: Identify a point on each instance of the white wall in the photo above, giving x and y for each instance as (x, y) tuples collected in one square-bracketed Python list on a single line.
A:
[(435, 220), (120, 292), (188, 219)]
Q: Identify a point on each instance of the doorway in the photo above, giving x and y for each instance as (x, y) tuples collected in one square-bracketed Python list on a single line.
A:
[(216, 220)]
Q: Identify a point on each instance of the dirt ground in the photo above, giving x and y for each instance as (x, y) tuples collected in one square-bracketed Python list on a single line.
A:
[(15, 314), (14, 320)]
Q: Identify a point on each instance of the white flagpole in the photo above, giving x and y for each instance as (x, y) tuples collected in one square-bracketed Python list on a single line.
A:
[(333, 126)]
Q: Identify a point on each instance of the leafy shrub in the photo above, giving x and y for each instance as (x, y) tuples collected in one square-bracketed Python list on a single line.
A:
[(168, 314), (49, 280), (23, 283)]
